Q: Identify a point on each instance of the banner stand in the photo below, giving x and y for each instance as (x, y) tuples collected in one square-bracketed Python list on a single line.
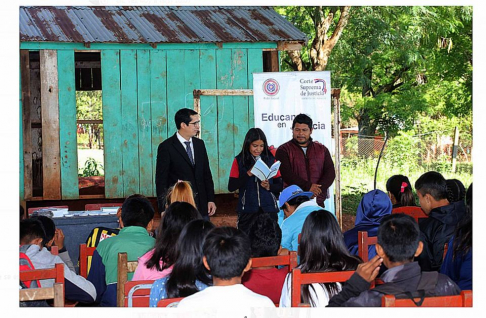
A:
[(335, 93)]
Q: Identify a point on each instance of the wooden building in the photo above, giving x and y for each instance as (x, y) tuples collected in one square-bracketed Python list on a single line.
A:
[(146, 61)]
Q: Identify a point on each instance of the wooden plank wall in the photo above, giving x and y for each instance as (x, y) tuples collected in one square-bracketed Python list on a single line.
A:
[(26, 133), (142, 90), (67, 125), (50, 125)]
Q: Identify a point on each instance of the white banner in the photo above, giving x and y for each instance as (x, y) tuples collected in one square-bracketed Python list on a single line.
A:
[(279, 97)]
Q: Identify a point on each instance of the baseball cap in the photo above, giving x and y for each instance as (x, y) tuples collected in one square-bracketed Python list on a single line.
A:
[(291, 192)]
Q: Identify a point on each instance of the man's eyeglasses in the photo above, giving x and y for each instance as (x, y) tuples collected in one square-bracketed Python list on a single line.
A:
[(196, 123)]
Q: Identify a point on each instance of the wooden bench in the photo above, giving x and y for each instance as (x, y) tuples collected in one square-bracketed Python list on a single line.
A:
[(84, 253), (414, 211), (56, 292), (299, 279), (462, 300), (124, 267), (363, 243)]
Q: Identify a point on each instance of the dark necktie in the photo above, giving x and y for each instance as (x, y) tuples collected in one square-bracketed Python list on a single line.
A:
[(189, 151)]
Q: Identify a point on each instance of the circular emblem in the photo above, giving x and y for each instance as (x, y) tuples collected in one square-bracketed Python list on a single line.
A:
[(271, 87)]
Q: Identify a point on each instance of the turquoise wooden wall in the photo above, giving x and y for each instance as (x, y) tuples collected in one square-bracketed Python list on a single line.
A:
[(142, 90)]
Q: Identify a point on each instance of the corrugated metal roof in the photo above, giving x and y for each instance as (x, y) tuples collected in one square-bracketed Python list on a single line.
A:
[(152, 24)]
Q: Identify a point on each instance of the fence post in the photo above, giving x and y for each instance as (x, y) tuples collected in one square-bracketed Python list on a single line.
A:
[(337, 165), (454, 149)]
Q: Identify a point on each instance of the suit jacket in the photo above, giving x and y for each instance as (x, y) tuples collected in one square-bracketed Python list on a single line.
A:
[(173, 164)]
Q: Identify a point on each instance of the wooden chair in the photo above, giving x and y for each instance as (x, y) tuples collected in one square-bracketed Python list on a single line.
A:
[(55, 292), (32, 210), (414, 211), (98, 206), (137, 293), (363, 243), (289, 260), (84, 252), (169, 302), (299, 279), (462, 300), (124, 267)]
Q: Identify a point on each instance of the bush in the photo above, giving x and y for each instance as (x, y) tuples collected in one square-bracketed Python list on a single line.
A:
[(91, 168)]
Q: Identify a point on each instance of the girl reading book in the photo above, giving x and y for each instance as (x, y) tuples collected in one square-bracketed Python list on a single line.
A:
[(255, 195)]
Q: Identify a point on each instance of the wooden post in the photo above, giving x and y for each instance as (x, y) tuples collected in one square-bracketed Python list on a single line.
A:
[(26, 124), (454, 149), (50, 125), (335, 93)]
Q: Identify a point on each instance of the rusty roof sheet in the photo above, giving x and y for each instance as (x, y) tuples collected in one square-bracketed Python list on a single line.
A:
[(151, 24)]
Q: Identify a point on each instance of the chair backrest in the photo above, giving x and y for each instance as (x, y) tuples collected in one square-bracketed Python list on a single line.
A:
[(55, 292), (137, 293), (169, 302), (299, 279), (414, 211), (363, 243), (289, 260), (98, 206), (32, 210), (462, 300), (56, 273), (84, 252), (124, 267)]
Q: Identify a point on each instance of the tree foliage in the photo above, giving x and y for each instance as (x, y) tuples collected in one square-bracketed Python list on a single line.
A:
[(89, 107), (395, 64), (324, 26)]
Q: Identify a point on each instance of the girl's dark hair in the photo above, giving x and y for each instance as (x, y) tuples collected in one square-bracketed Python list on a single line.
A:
[(189, 266), (322, 249), (463, 235), (252, 135), (455, 190), (177, 215), (394, 185)]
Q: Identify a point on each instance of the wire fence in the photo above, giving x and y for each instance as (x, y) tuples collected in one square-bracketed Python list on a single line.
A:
[(405, 154)]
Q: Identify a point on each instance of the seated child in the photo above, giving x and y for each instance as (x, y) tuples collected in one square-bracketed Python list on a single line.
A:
[(322, 249), (54, 237), (32, 243), (188, 274), (296, 206), (373, 207), (438, 228), (157, 263), (134, 239), (400, 191), (227, 257), (265, 236), (398, 243), (457, 263)]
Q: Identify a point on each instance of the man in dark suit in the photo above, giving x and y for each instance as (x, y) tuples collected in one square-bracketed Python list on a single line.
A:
[(184, 157)]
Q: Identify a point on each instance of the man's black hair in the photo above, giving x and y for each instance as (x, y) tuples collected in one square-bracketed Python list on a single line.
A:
[(48, 226), (298, 200), (398, 234), (227, 252), (265, 236), (137, 211), (432, 183), (302, 119), (183, 115), (30, 229)]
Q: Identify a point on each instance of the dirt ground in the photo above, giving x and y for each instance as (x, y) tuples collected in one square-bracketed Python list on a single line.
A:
[(230, 220), (348, 222)]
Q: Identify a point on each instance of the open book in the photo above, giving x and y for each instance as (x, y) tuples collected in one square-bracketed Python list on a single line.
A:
[(263, 172)]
